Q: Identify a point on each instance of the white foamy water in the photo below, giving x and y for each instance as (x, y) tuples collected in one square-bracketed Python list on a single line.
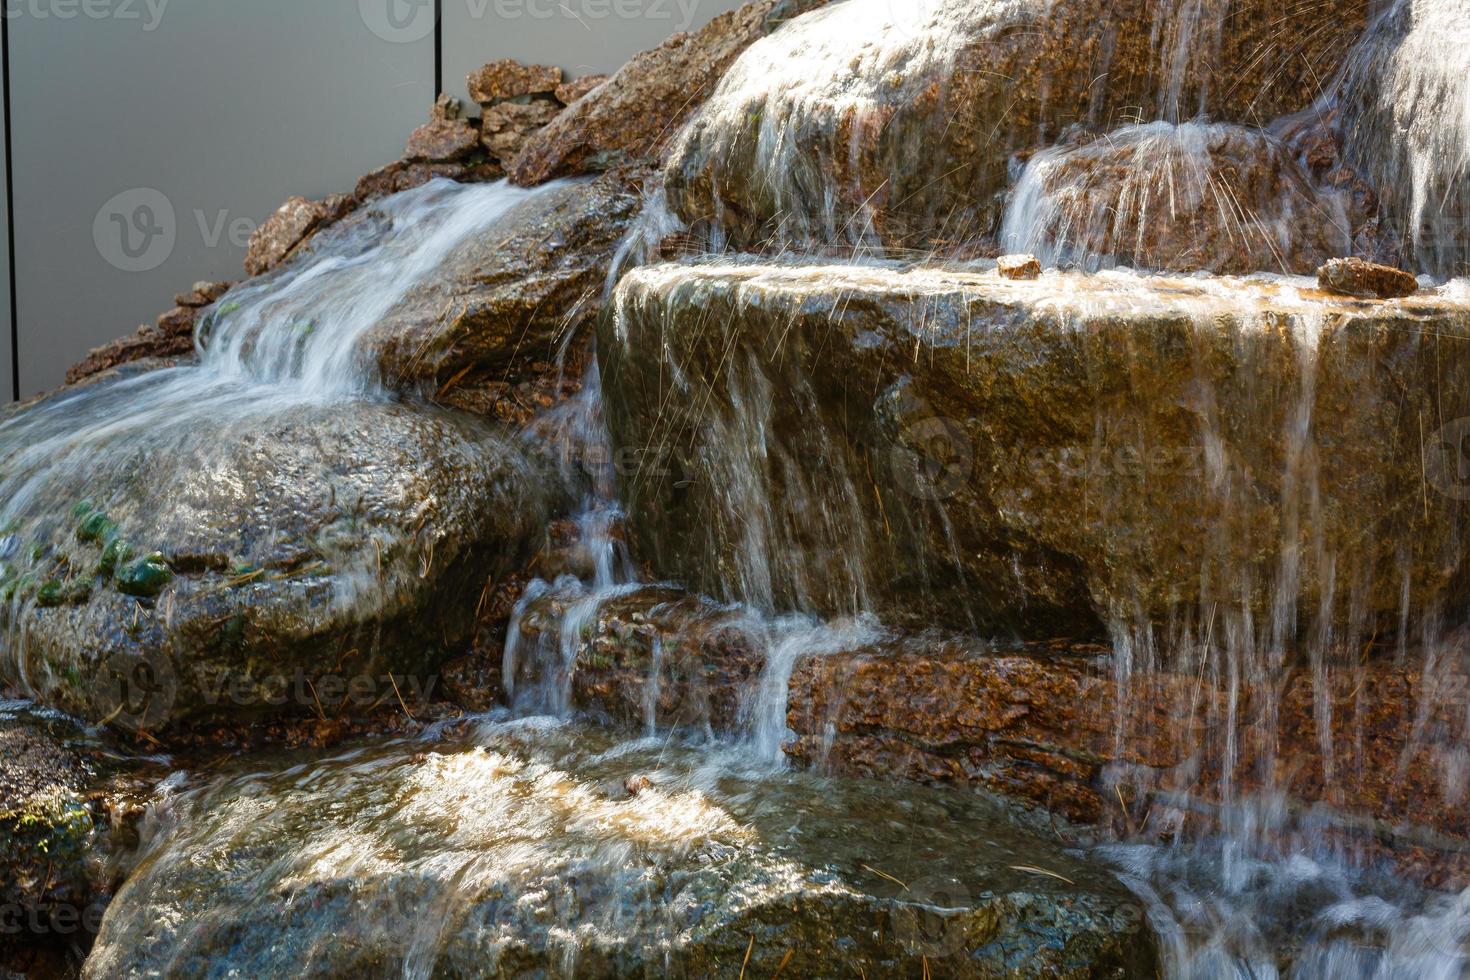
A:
[(283, 341)]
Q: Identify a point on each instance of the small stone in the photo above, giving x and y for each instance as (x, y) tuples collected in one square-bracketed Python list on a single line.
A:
[(145, 577), (442, 139), (96, 527), (211, 291), (1018, 267), (637, 783), (505, 127), (1358, 277), (569, 92), (178, 320), (509, 79), (281, 232)]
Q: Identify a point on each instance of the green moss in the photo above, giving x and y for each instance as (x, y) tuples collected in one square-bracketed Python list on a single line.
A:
[(53, 593), (144, 577), (114, 554), (81, 509), (96, 527)]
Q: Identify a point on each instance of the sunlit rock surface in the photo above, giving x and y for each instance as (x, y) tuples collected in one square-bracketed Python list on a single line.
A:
[(950, 447), (504, 305), (534, 847), (1190, 197), (328, 539), (892, 123)]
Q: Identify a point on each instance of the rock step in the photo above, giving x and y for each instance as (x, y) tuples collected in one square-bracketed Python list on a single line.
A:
[(945, 446)]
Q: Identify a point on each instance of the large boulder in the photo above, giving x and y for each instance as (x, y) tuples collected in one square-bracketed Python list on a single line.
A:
[(529, 849), (946, 446), (875, 121), (635, 114), (1196, 196), (502, 305), (214, 555)]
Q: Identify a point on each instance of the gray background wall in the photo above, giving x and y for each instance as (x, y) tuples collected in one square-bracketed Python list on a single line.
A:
[(183, 123)]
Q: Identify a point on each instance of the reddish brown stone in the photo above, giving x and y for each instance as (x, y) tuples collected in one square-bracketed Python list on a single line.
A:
[(446, 136), (292, 222), (569, 92), (1358, 277), (639, 110), (1018, 266), (509, 79), (505, 127)]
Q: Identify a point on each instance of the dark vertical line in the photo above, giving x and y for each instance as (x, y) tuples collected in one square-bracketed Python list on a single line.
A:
[(438, 48), (10, 209)]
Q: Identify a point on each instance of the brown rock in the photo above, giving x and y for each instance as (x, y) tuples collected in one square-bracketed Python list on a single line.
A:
[(1165, 197), (1049, 724), (640, 109), (1357, 277), (505, 127), (446, 136), (293, 221), (172, 338), (1018, 266), (509, 79), (897, 122), (505, 302), (569, 92), (1039, 457), (202, 294)]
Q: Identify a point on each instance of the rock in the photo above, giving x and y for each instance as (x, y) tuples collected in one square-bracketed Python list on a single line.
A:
[(504, 303), (445, 137), (1403, 126), (201, 294), (509, 79), (951, 448), (1167, 197), (505, 127), (291, 224), (569, 92), (403, 176), (894, 124), (1038, 723), (640, 109), (526, 846), (1356, 277), (150, 343), (1018, 267), (65, 799), (280, 561)]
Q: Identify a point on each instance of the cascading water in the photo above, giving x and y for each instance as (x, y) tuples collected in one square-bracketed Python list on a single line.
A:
[(277, 348)]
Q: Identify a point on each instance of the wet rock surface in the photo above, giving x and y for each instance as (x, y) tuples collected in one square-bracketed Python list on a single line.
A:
[(1047, 723), (639, 110), (869, 121), (949, 448), (523, 840), (1355, 277), (499, 312), (187, 576), (1196, 196)]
